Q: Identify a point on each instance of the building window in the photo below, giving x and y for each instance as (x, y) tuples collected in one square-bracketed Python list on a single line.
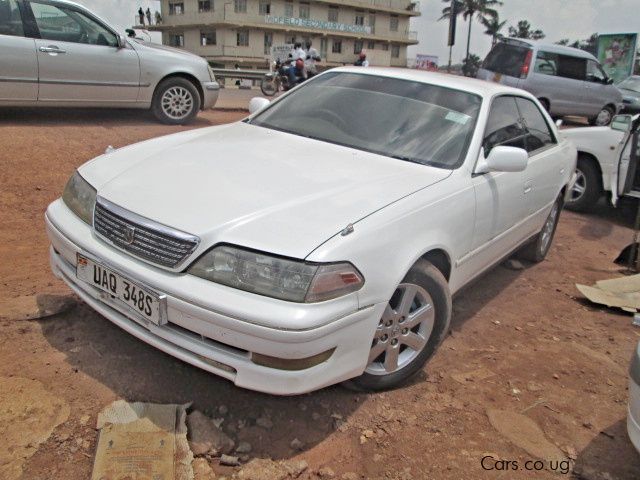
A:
[(265, 7), (371, 45), (372, 22), (268, 41), (176, 39), (204, 5), (333, 14), (393, 23), (359, 20), (242, 37), (304, 10), (176, 8), (357, 46), (240, 6), (337, 46), (395, 51), (208, 38), (288, 9), (324, 45), (291, 39), (384, 47)]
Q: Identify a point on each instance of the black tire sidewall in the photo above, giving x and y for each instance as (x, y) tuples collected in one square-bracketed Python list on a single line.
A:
[(165, 85), (431, 279), (593, 190), (593, 120)]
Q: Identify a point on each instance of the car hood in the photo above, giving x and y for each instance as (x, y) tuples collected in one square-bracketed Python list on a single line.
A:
[(166, 49), (629, 93), (252, 186)]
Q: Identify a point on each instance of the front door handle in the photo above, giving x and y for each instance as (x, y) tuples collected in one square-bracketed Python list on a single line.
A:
[(52, 49), (528, 186)]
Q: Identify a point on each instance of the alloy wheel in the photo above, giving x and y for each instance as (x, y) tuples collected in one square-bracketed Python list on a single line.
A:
[(603, 118), (547, 230), (579, 187), (403, 331), (177, 102)]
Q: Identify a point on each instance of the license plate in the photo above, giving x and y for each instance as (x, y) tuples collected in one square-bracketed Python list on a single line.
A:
[(142, 301)]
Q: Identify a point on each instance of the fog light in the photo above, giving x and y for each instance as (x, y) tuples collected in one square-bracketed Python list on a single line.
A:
[(291, 363)]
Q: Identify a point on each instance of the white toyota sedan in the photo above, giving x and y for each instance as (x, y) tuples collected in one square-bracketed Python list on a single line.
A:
[(320, 239)]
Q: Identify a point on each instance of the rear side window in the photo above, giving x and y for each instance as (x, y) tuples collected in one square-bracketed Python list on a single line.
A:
[(504, 126), (10, 19), (506, 59), (566, 66), (539, 134)]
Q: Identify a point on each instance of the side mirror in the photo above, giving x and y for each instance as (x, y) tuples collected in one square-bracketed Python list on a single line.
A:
[(122, 42), (256, 104), (622, 123), (503, 159), (608, 81)]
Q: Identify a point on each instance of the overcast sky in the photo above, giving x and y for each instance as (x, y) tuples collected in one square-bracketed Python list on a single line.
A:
[(574, 19)]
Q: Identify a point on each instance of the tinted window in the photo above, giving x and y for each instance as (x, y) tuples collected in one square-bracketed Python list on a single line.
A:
[(68, 25), (10, 20), (572, 67), (546, 63), (504, 126), (538, 132), (506, 59), (421, 123)]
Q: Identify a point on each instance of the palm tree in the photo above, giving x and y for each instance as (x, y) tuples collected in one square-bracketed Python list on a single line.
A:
[(468, 8), (493, 26), (524, 30)]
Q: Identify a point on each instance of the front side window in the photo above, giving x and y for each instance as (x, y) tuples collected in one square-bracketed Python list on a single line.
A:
[(304, 10), (504, 126), (208, 38), (176, 8), (333, 14), (242, 38), (431, 125), (393, 23), (63, 24), (595, 72), (539, 134), (240, 6), (10, 19), (204, 5), (337, 46)]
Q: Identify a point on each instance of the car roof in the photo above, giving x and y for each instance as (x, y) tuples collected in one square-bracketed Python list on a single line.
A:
[(482, 88), (550, 47)]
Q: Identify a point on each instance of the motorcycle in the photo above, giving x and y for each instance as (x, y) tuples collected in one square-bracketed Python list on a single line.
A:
[(277, 80)]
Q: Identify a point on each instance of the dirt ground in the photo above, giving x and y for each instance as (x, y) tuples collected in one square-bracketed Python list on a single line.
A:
[(522, 341)]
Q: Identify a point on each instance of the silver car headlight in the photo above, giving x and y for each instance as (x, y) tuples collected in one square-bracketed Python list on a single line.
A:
[(80, 197), (286, 279)]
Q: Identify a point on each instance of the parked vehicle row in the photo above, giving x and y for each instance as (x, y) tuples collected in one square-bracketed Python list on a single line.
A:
[(567, 81), (56, 53)]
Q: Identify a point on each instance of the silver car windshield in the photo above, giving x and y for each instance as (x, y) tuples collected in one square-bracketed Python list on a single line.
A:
[(407, 120)]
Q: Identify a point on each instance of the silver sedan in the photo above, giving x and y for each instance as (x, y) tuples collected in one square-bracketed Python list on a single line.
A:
[(57, 53)]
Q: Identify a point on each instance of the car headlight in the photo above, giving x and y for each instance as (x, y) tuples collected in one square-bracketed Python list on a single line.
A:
[(80, 197), (286, 279), (211, 74)]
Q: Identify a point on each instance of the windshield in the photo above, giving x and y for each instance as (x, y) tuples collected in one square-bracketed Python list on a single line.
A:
[(631, 83), (407, 120)]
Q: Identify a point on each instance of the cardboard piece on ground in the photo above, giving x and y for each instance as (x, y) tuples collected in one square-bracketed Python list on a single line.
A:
[(142, 441), (623, 292)]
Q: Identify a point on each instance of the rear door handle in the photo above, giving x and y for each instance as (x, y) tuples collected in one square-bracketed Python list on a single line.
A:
[(52, 49)]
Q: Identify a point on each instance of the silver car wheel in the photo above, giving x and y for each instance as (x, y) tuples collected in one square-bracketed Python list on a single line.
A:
[(547, 230), (603, 118), (403, 331), (177, 102), (579, 187)]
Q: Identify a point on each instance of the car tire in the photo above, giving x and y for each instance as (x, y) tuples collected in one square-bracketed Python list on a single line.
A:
[(176, 101), (587, 190), (603, 118), (536, 250), (410, 330)]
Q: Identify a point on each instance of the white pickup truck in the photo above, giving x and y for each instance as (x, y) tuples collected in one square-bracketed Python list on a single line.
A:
[(607, 162)]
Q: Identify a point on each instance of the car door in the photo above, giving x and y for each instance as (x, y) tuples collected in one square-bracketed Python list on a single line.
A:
[(596, 89), (545, 169), (500, 206), (561, 80), (79, 58), (628, 171), (18, 64)]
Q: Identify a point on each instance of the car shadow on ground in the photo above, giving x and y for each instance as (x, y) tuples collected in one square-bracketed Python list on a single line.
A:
[(82, 116), (609, 455)]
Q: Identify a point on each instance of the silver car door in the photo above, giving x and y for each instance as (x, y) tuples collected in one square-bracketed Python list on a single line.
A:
[(80, 60), (628, 162), (19, 65)]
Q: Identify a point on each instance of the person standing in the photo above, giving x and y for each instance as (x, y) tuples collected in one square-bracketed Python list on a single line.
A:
[(141, 16), (148, 12)]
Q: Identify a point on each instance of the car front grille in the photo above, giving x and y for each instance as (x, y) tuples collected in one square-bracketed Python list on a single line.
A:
[(141, 237)]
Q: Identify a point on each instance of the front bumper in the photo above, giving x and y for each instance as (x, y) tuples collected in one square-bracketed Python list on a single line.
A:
[(210, 91), (219, 340), (633, 414)]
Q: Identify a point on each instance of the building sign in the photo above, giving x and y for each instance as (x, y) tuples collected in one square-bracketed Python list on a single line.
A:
[(317, 24), (616, 54), (281, 52), (427, 62)]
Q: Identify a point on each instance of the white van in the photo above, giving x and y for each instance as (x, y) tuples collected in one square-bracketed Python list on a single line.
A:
[(567, 81)]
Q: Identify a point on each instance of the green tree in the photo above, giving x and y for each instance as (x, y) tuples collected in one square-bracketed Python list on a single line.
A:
[(523, 30), (468, 9), (470, 65), (493, 26), (564, 41)]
